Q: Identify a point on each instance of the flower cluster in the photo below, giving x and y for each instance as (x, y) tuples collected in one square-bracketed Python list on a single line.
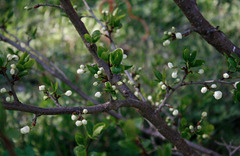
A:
[(171, 34), (25, 130), (81, 70), (82, 121)]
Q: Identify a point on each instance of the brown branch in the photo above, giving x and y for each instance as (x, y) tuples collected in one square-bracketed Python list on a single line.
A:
[(212, 35), (49, 5), (8, 143)]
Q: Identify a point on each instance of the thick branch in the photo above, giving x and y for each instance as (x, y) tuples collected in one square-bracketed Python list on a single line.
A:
[(212, 35)]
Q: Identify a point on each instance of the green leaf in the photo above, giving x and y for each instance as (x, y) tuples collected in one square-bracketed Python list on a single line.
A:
[(164, 75), (183, 122), (197, 63), (23, 73), (56, 87), (96, 35), (186, 55), (79, 150), (129, 129), (93, 69), (98, 129), (20, 67), (29, 64), (238, 96), (186, 133), (80, 139), (10, 51), (193, 56), (116, 70), (22, 58), (128, 144), (116, 57), (158, 75), (238, 87), (88, 38), (89, 128), (126, 67)]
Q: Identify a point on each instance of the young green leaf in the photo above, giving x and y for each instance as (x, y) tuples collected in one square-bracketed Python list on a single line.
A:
[(186, 55), (98, 129), (93, 69), (197, 63), (29, 64), (80, 139), (193, 56), (158, 75), (89, 128), (88, 38), (79, 150), (22, 58), (96, 35)]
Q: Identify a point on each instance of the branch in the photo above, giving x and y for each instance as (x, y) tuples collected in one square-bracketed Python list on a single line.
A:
[(212, 35), (49, 5)]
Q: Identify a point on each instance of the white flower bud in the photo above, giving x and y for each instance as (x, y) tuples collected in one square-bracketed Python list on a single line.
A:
[(124, 56), (157, 103), (136, 93), (25, 130), (9, 57), (15, 57), (12, 71), (119, 83), (165, 32), (175, 112), (13, 66), (179, 36), (3, 90), (124, 80), (173, 28), (140, 68), (166, 43), (80, 71), (204, 136), (217, 95), (213, 86), (191, 127), (98, 94), (149, 98), (95, 83), (130, 82), (170, 65), (101, 69), (78, 123), (199, 127), (114, 98), (201, 71), (45, 97), (177, 80), (74, 117), (42, 87), (225, 76), (8, 99), (164, 87), (68, 93), (96, 76), (113, 87), (99, 72), (85, 111), (169, 33), (82, 66), (174, 74), (171, 109), (84, 122), (204, 114), (204, 90)]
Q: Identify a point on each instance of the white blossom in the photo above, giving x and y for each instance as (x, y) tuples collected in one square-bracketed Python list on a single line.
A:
[(74, 117), (42, 87), (15, 57), (101, 69), (136, 93), (98, 94), (113, 87), (114, 98), (95, 83), (3, 90), (12, 71), (169, 33), (177, 80), (204, 114), (78, 123), (166, 43), (124, 56), (85, 111), (164, 87), (96, 76), (175, 112), (174, 74), (191, 127), (9, 57), (213, 86), (119, 83), (45, 97), (204, 136), (99, 72), (170, 65), (149, 98), (157, 103), (84, 122), (25, 130), (68, 93), (124, 80), (130, 82), (82, 66), (13, 66), (201, 71), (225, 75), (179, 35), (171, 109), (8, 99), (204, 90), (80, 71), (199, 127), (217, 95)]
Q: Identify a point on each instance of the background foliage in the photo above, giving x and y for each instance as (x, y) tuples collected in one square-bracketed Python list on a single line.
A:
[(57, 39)]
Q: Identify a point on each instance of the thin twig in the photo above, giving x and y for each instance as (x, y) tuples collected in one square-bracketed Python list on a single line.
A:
[(53, 99), (49, 5)]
